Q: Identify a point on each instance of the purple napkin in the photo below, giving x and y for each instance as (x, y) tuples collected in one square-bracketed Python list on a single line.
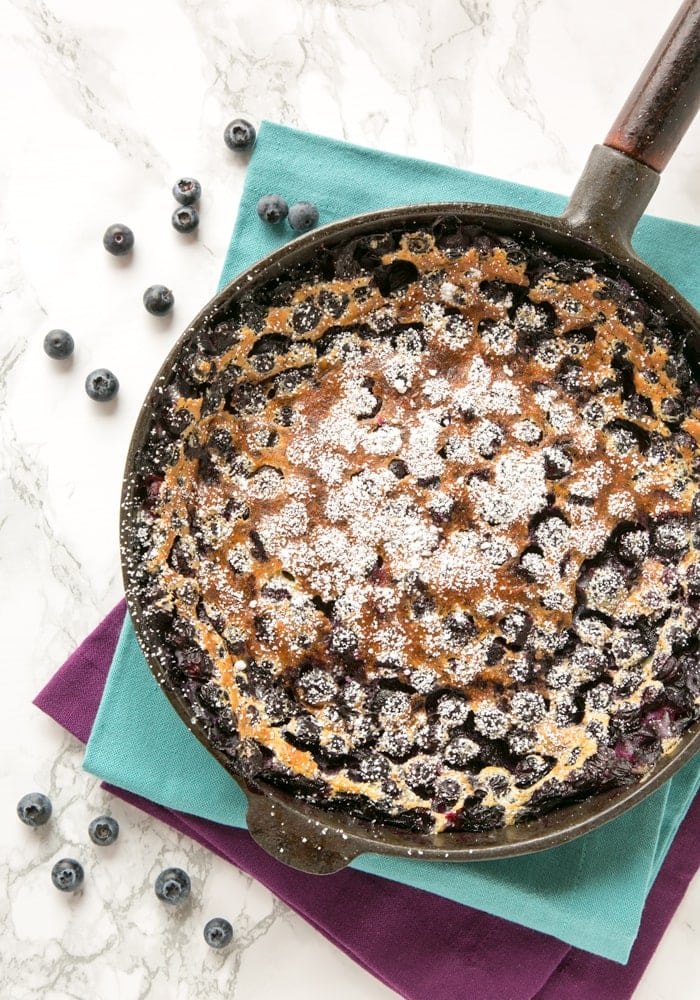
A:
[(420, 945)]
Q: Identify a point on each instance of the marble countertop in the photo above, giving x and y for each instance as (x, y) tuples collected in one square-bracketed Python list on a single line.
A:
[(104, 106)]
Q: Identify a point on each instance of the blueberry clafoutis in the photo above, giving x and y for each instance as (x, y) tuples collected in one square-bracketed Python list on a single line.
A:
[(415, 530)]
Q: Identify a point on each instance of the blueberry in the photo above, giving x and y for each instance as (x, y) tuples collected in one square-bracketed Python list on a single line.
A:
[(101, 385), (103, 831), (158, 300), (218, 932), (672, 410), (302, 216), (185, 219), (34, 809), (118, 240), (67, 875), (58, 344), (272, 208), (187, 190), (173, 886), (398, 468), (239, 135)]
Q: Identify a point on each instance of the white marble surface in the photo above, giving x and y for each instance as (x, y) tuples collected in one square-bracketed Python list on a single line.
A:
[(103, 106)]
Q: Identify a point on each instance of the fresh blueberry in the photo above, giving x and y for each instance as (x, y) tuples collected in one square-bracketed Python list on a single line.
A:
[(158, 300), (101, 385), (187, 190), (173, 886), (185, 219), (103, 831), (58, 344), (34, 809), (67, 875), (239, 135), (302, 216), (118, 239), (272, 208), (218, 932)]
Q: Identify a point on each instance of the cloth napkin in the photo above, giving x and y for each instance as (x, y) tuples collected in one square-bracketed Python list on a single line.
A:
[(420, 945), (589, 893)]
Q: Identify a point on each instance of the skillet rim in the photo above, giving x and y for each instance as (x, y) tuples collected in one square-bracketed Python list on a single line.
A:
[(317, 840)]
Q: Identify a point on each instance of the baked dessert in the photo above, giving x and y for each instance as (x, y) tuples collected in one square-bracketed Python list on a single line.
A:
[(417, 530)]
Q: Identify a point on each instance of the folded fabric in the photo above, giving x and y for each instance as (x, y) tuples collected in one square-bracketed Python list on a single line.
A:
[(419, 944), (589, 893)]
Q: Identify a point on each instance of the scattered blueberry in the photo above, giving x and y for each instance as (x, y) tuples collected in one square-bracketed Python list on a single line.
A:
[(185, 219), (58, 344), (187, 190), (34, 809), (302, 216), (218, 932), (173, 886), (118, 239), (101, 385), (272, 208), (158, 300), (239, 135), (103, 831), (67, 875)]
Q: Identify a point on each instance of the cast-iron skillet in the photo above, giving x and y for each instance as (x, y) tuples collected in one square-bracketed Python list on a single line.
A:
[(617, 183)]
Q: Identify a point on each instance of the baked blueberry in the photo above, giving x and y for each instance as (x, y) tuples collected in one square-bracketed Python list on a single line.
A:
[(515, 627), (461, 751), (447, 793), (103, 830), (394, 277), (118, 240), (306, 316), (173, 886), (58, 344), (239, 135), (672, 410), (632, 544), (459, 628), (398, 468), (302, 216), (531, 769), (101, 385), (440, 565), (34, 809), (528, 706), (185, 219), (693, 580), (158, 300), (557, 462), (187, 190), (421, 773), (669, 537), (272, 208), (68, 875), (218, 932)]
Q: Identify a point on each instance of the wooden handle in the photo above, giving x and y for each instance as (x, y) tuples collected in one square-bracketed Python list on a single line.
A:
[(666, 97)]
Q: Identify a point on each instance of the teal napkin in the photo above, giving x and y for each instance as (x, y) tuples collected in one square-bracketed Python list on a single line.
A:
[(590, 892)]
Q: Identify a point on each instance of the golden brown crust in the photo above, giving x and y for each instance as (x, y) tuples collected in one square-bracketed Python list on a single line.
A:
[(396, 540)]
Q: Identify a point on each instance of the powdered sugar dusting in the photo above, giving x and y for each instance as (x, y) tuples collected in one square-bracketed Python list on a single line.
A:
[(519, 489), (413, 483)]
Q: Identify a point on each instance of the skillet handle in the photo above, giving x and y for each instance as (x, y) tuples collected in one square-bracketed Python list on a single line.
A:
[(666, 97), (621, 176)]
